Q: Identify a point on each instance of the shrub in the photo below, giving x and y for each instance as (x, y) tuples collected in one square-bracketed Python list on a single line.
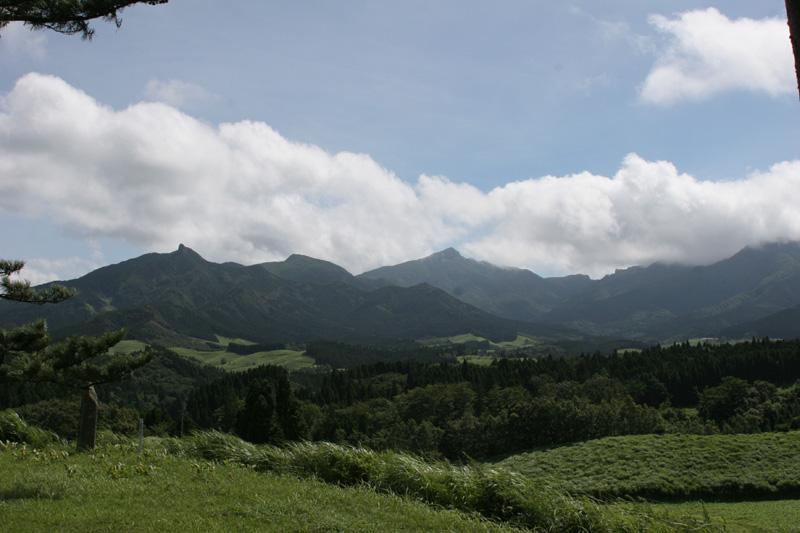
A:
[(14, 429)]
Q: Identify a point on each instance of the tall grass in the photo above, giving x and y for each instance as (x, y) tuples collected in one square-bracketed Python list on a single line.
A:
[(14, 429), (495, 493)]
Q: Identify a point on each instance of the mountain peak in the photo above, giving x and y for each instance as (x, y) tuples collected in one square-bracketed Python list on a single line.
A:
[(448, 253), (186, 252), (300, 258)]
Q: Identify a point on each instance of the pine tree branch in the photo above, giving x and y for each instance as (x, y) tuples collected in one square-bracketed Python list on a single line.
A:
[(793, 14), (66, 16), (21, 290)]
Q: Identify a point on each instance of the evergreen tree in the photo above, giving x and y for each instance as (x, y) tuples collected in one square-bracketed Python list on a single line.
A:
[(258, 422), (27, 356)]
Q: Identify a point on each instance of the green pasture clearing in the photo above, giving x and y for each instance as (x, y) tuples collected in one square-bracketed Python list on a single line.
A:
[(225, 341), (128, 346), (115, 489), (288, 359), (734, 467), (521, 341), (623, 351), (480, 360)]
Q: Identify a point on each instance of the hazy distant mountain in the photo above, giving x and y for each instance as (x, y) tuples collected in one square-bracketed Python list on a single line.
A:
[(168, 296), (658, 302), (671, 301), (509, 292), (784, 324)]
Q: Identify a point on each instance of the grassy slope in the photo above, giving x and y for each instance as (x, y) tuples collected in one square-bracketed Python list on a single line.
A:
[(758, 466), (117, 490)]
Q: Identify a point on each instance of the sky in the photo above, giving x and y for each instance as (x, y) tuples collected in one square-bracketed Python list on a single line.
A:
[(563, 137)]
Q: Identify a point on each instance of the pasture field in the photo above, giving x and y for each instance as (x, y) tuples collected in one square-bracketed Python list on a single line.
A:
[(288, 359), (218, 356), (522, 341), (672, 467)]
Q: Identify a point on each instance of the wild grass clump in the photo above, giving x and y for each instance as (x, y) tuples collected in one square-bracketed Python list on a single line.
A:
[(495, 493), (15, 429)]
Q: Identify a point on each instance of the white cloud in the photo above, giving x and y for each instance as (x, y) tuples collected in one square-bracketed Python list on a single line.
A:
[(177, 93), (154, 176), (16, 40), (41, 270), (708, 53)]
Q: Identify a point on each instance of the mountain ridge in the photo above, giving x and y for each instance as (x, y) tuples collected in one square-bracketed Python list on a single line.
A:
[(180, 293)]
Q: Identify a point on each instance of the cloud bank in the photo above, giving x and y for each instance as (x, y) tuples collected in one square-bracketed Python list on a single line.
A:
[(708, 53), (154, 176)]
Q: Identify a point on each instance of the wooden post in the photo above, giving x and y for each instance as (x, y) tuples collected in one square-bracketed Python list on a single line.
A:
[(141, 436), (87, 431)]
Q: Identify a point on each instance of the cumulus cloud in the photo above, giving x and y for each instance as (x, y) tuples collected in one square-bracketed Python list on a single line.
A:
[(177, 93), (708, 53), (16, 40), (154, 176)]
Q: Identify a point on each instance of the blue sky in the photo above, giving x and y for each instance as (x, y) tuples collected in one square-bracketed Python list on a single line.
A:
[(482, 94)]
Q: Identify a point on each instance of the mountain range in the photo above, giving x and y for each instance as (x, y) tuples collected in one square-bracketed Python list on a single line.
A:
[(174, 296), (754, 292), (177, 296)]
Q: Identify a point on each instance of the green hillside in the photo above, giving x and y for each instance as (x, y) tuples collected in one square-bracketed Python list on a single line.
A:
[(765, 465)]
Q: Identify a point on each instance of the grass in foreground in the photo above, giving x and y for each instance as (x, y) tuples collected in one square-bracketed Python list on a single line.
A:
[(736, 467), (115, 489), (497, 494), (50, 487)]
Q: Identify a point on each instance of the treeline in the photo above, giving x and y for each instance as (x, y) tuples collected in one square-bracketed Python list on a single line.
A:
[(653, 376), (457, 409), (343, 355)]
